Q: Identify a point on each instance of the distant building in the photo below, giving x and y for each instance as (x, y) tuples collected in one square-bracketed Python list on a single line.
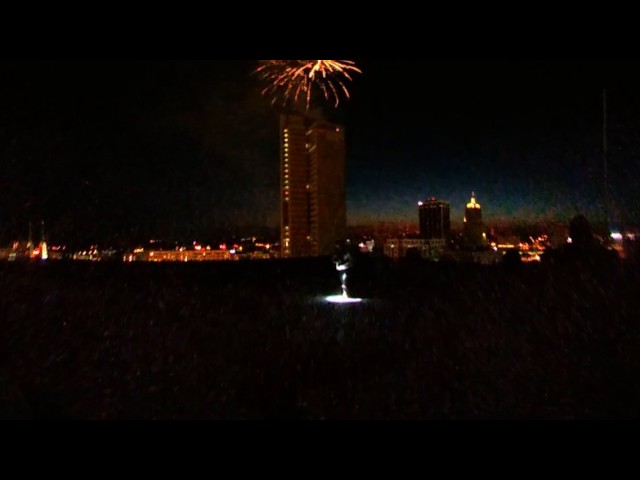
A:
[(473, 231), (435, 219), (141, 255), (400, 247), (313, 213), (27, 250), (44, 250), (435, 230)]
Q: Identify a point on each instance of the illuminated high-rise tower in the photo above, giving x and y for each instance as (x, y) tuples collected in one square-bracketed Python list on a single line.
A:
[(313, 215), (473, 228), (30, 242), (435, 219), (44, 252)]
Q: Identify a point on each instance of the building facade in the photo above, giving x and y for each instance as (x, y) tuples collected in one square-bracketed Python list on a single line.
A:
[(400, 247), (313, 198), (473, 230), (435, 219), (155, 256)]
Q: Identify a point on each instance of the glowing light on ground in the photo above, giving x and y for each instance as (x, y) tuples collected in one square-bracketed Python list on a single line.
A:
[(342, 299)]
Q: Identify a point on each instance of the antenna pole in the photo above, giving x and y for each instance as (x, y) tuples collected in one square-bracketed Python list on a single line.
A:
[(605, 166)]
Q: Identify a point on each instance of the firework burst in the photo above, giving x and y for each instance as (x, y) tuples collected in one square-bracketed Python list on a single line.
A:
[(294, 80)]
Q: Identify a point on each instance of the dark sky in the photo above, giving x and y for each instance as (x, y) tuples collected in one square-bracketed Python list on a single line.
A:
[(526, 136), (120, 150)]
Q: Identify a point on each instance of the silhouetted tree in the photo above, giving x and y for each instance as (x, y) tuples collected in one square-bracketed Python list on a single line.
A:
[(581, 232), (512, 259)]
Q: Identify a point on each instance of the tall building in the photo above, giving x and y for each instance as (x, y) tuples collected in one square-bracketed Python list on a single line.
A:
[(435, 219), (313, 215), (435, 230), (30, 242), (474, 234), (44, 251)]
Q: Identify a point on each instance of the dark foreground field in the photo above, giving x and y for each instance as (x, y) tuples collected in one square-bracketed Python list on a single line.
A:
[(255, 340)]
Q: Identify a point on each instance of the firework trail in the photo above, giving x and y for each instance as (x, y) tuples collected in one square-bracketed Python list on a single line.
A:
[(291, 80)]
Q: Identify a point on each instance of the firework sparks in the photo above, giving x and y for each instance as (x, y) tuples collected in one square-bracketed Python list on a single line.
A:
[(294, 80)]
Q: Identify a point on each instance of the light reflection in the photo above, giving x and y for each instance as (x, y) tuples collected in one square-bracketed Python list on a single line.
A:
[(342, 299)]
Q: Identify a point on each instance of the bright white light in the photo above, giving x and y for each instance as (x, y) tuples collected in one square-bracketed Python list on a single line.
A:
[(569, 240), (616, 236), (342, 299), (420, 204)]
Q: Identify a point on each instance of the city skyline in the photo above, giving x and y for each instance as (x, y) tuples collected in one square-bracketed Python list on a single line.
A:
[(130, 150)]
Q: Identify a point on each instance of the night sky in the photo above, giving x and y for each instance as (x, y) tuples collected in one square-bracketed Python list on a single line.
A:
[(120, 151)]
